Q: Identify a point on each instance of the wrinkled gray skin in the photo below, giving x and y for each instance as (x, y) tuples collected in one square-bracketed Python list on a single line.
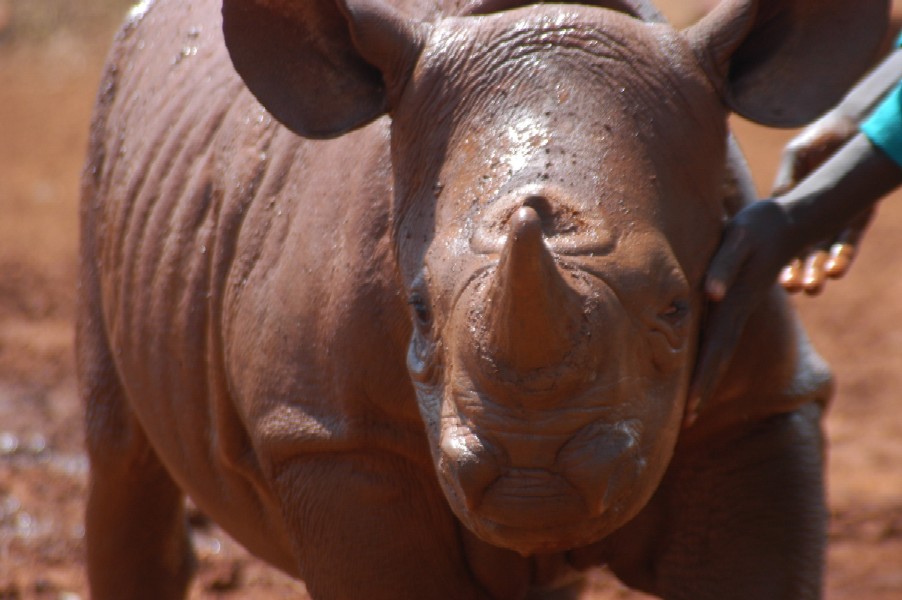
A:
[(445, 353)]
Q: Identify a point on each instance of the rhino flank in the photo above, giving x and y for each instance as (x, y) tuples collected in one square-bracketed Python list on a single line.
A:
[(406, 297)]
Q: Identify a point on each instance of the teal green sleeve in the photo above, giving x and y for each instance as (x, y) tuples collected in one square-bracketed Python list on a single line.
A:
[(884, 126)]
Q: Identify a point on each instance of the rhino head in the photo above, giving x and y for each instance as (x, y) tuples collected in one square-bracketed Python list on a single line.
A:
[(558, 178), (552, 258)]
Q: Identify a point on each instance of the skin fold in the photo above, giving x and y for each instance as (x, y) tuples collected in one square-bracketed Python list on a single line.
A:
[(406, 296)]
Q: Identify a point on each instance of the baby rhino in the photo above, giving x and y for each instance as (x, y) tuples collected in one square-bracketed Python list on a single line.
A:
[(406, 297)]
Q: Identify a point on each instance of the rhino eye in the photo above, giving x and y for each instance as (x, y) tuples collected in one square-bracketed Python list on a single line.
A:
[(669, 335), (420, 309), (675, 312)]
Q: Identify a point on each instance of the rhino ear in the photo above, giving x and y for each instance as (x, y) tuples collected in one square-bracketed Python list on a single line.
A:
[(782, 63), (322, 67)]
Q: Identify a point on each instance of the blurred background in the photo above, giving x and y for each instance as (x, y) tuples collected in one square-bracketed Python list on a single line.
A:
[(51, 55)]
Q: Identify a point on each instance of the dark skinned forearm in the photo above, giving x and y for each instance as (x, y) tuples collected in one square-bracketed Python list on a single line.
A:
[(856, 177)]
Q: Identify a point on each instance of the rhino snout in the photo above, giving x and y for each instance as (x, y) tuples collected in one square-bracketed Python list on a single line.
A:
[(603, 461), (469, 464), (532, 498), (581, 475)]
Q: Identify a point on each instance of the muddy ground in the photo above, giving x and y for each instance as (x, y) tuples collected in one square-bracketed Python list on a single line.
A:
[(50, 58)]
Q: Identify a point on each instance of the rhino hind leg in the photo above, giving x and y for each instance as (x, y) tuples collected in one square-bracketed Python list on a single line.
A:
[(135, 527)]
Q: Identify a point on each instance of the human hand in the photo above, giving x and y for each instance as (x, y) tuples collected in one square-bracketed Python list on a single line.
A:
[(809, 149), (829, 260), (756, 243), (832, 258)]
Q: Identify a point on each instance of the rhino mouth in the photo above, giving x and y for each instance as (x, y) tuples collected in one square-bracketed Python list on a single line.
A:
[(549, 488), (535, 512), (552, 520), (527, 498)]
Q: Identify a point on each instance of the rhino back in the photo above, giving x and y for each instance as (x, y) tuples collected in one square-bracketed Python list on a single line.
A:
[(247, 284)]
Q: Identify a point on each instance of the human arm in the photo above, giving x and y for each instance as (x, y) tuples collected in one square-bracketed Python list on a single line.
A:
[(763, 236), (831, 257)]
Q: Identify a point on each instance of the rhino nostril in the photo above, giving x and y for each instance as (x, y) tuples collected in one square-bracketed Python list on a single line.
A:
[(602, 460), (469, 465)]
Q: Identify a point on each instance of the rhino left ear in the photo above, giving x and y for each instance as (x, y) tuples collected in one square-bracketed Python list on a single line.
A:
[(782, 63), (322, 67)]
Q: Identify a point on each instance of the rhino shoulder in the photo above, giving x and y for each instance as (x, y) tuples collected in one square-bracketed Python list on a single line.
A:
[(775, 370)]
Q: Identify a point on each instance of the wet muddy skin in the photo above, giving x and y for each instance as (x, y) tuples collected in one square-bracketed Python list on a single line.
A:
[(45, 97)]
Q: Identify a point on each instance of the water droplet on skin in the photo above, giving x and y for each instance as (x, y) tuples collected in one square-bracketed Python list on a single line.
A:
[(73, 465), (37, 444), (23, 523), (9, 443), (138, 11), (185, 53), (9, 507)]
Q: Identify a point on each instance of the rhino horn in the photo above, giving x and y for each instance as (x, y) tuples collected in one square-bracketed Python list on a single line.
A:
[(533, 314)]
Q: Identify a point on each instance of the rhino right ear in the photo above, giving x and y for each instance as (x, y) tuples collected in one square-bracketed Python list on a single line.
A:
[(782, 63), (322, 67)]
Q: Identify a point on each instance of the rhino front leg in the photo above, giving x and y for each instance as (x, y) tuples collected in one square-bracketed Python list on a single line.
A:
[(135, 527), (747, 518), (372, 526), (137, 539)]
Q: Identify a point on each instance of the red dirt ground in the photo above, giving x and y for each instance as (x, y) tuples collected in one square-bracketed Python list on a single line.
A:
[(50, 59)]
